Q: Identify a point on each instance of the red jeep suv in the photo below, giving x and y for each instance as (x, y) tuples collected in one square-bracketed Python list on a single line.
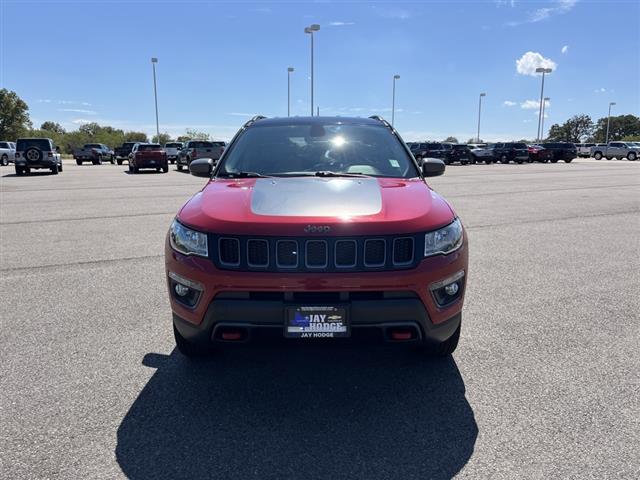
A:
[(316, 228)]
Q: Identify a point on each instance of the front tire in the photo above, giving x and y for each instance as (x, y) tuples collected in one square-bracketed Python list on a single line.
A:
[(187, 348), (19, 171), (445, 348), (5, 160), (78, 162), (113, 160), (631, 157), (504, 159), (165, 169), (179, 167), (54, 169), (597, 156)]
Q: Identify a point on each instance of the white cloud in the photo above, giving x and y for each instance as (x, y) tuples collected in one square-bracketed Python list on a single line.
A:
[(534, 104), (78, 110), (44, 100), (80, 121), (559, 7), (600, 90), (509, 103), (242, 114), (393, 12), (341, 24), (530, 104), (564, 49), (527, 64)]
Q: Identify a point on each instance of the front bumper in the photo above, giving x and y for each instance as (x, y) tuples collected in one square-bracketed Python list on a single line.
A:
[(257, 300)]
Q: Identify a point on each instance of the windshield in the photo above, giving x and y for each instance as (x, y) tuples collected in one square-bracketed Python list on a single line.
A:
[(149, 147), (309, 149), (173, 145), (39, 143), (200, 144)]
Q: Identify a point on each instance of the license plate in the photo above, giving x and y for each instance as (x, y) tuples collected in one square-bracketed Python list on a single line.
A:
[(316, 322)]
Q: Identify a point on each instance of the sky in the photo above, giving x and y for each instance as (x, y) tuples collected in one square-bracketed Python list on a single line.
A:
[(219, 63)]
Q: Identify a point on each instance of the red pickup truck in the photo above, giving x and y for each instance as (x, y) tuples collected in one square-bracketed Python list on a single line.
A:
[(148, 155), (316, 228)]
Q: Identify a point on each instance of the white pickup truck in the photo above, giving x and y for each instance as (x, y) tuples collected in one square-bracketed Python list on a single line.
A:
[(619, 150), (584, 149), (7, 153)]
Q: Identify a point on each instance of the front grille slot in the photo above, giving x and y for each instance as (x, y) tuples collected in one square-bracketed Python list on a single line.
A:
[(316, 254), (257, 253), (229, 251), (403, 251), (346, 253), (287, 253), (374, 252)]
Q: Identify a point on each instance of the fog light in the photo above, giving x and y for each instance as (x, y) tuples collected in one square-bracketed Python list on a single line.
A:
[(181, 290), (186, 291), (448, 290), (451, 289)]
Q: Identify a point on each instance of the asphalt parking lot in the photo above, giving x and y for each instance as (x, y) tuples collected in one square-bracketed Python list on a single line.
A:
[(544, 383)]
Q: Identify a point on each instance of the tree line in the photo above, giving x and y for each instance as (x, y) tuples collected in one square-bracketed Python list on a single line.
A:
[(15, 123), (580, 128)]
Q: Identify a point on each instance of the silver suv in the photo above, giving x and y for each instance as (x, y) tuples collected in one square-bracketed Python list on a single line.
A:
[(37, 153), (617, 150)]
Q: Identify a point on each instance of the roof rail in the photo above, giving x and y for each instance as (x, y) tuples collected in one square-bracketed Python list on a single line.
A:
[(253, 120), (380, 119)]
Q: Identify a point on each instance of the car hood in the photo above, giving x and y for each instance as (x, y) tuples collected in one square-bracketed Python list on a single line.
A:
[(294, 205)]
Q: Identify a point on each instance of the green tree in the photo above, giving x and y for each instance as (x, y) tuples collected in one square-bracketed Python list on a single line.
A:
[(576, 129), (193, 134), (183, 138), (164, 138), (52, 127), (135, 137), (474, 140), (621, 126), (14, 115), (451, 140)]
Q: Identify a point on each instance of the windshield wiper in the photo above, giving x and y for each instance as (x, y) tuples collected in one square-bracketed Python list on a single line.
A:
[(328, 173), (243, 175)]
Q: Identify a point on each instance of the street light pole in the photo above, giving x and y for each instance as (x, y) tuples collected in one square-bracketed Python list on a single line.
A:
[(393, 99), (609, 121), (544, 104), (606, 141), (154, 60), (289, 70), (479, 110), (310, 29), (544, 71)]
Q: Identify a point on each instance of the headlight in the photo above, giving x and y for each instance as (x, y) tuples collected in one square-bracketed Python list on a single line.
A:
[(187, 241), (444, 240)]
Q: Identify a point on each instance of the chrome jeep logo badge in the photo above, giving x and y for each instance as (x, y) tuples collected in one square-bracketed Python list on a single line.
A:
[(317, 229)]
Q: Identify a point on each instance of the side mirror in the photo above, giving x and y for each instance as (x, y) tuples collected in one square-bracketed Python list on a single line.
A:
[(58, 149), (432, 167), (201, 167)]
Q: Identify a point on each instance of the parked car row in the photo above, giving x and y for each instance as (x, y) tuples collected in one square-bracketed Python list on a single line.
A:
[(503, 152)]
